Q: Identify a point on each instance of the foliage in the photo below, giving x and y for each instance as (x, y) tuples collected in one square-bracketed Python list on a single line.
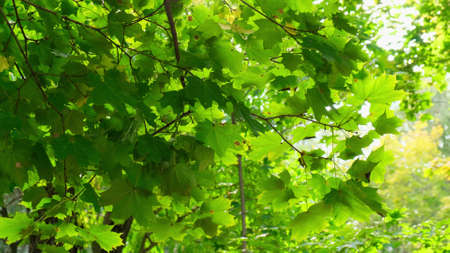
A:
[(416, 191), (393, 234), (191, 125), (420, 63), (420, 176)]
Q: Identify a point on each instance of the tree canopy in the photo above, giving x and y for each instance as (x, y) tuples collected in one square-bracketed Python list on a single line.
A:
[(200, 126)]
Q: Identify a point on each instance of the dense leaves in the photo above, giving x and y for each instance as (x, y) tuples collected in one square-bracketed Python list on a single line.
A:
[(196, 125)]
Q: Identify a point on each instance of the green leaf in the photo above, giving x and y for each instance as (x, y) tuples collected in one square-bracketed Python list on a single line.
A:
[(174, 99), (291, 61), (128, 201), (210, 29), (268, 145), (89, 195), (275, 191), (368, 195), (218, 208), (66, 230), (152, 149), (51, 249), (13, 229), (42, 162), (241, 112), (361, 170), (204, 156), (319, 98), (68, 7), (383, 158), (103, 235), (208, 226), (347, 205), (380, 90), (301, 5), (205, 92), (283, 82), (226, 56), (267, 33), (385, 125), (313, 220), (218, 137), (355, 144), (318, 184)]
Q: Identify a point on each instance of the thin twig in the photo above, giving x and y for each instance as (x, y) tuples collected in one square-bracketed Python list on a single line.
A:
[(146, 16), (273, 21), (267, 120), (301, 153), (21, 27), (285, 29), (302, 116), (167, 30), (16, 108), (171, 123), (84, 188)]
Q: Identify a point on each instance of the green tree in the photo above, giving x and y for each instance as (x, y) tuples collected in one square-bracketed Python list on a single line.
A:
[(196, 126)]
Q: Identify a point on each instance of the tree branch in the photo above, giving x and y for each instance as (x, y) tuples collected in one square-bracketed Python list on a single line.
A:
[(174, 34), (33, 73), (301, 153), (171, 123), (123, 229), (118, 46), (35, 78), (243, 210), (242, 197), (21, 27)]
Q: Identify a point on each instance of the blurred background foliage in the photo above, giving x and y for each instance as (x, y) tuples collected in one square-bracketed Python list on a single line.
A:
[(416, 189), (413, 44)]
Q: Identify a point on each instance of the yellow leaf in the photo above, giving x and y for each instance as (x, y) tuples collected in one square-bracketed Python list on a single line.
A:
[(290, 29), (3, 63)]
